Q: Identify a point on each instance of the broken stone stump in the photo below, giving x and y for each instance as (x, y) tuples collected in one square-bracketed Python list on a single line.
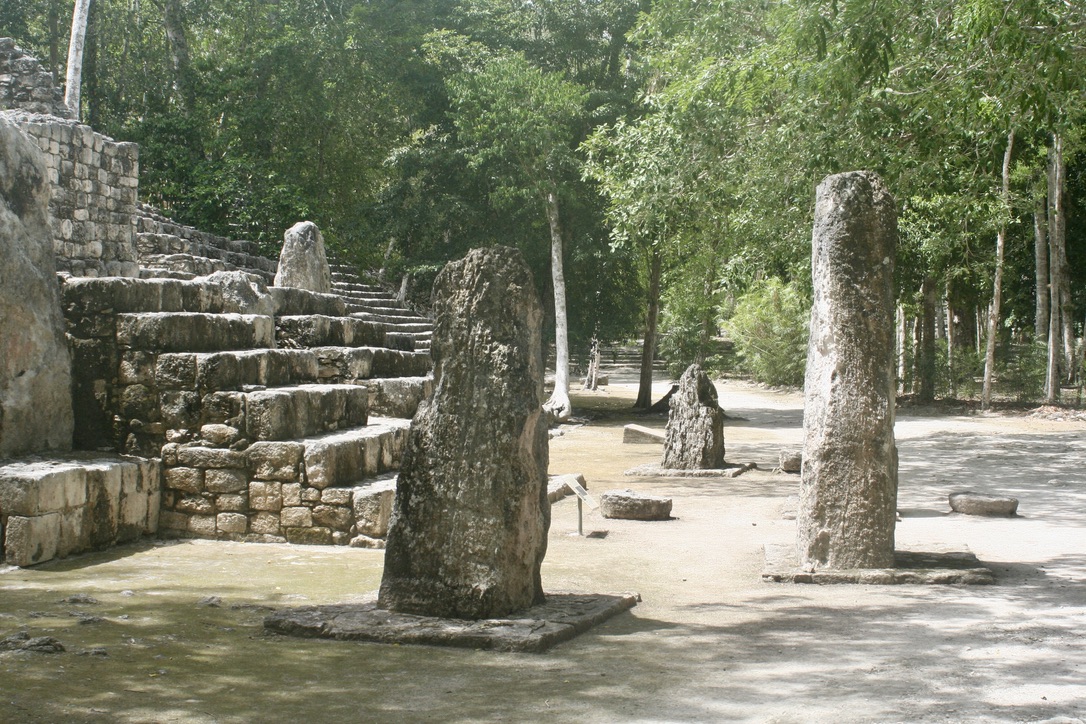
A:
[(848, 490), (628, 505), (35, 368), (641, 435), (302, 262), (694, 437), (971, 503), (470, 518), (790, 459)]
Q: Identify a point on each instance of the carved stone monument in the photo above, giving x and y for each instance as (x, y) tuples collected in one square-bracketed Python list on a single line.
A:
[(35, 369), (469, 523), (695, 425), (302, 262), (848, 494)]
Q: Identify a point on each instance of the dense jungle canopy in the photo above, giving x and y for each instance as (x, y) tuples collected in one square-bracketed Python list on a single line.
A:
[(672, 145)]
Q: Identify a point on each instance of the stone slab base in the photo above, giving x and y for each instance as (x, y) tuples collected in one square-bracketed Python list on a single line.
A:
[(561, 618), (641, 435), (654, 470), (781, 566)]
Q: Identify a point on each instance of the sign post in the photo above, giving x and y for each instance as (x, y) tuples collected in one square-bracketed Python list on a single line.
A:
[(582, 498)]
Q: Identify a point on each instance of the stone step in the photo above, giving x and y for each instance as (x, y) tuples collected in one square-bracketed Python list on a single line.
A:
[(347, 364), (321, 489), (54, 507), (399, 396), (383, 310), (87, 296), (282, 413), (194, 331), (316, 330), (362, 290), (199, 265), (290, 301), (205, 372), (396, 324)]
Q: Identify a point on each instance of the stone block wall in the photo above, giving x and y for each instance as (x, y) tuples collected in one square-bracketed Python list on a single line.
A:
[(74, 503), (95, 180), (26, 85)]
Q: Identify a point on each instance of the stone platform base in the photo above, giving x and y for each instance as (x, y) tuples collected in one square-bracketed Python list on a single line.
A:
[(562, 617), (781, 566), (654, 470)]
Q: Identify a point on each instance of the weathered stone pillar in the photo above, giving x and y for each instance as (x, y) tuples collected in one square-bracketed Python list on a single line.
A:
[(35, 367), (848, 495), (469, 524), (302, 262), (694, 437)]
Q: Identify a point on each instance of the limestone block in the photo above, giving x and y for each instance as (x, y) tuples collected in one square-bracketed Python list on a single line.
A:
[(226, 480), (32, 488), (209, 457), (234, 523), (220, 435), (297, 517), (242, 293), (292, 494), (971, 503), (172, 521), (641, 435), (203, 526), (30, 540), (194, 505), (336, 496), (309, 536), (275, 460), (267, 496), (188, 480), (232, 503), (74, 535), (35, 367), (336, 517), (790, 459), (628, 505), (302, 262)]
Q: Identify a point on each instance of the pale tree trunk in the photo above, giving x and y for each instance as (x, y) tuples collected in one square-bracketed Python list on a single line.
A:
[(1040, 255), (927, 342), (75, 56), (948, 315), (173, 18), (1056, 257), (900, 349), (997, 284), (558, 407), (644, 389)]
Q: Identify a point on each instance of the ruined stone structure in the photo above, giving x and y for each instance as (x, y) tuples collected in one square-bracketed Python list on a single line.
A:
[(694, 438), (35, 371), (302, 263), (26, 85), (229, 408), (848, 495), (469, 526)]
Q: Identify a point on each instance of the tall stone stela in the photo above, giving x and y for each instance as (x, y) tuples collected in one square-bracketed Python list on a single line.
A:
[(35, 368), (302, 261), (470, 519), (848, 493), (694, 437)]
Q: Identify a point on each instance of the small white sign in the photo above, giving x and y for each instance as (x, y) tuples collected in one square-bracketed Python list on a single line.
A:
[(581, 493)]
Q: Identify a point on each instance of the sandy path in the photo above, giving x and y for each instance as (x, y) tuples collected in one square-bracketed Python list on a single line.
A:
[(709, 642)]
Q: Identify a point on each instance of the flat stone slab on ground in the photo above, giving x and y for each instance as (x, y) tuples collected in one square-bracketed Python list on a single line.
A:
[(562, 617), (628, 505), (655, 470), (782, 566), (971, 503), (641, 435)]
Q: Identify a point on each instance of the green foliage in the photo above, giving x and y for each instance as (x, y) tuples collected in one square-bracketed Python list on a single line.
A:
[(1022, 373), (959, 377), (770, 328)]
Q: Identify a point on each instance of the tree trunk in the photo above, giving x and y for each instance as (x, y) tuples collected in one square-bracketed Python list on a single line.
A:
[(558, 406), (927, 342), (900, 349), (644, 390), (1040, 255), (1056, 256), (75, 56), (173, 18), (997, 284)]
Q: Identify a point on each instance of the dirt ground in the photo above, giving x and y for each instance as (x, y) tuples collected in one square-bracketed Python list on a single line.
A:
[(710, 642)]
